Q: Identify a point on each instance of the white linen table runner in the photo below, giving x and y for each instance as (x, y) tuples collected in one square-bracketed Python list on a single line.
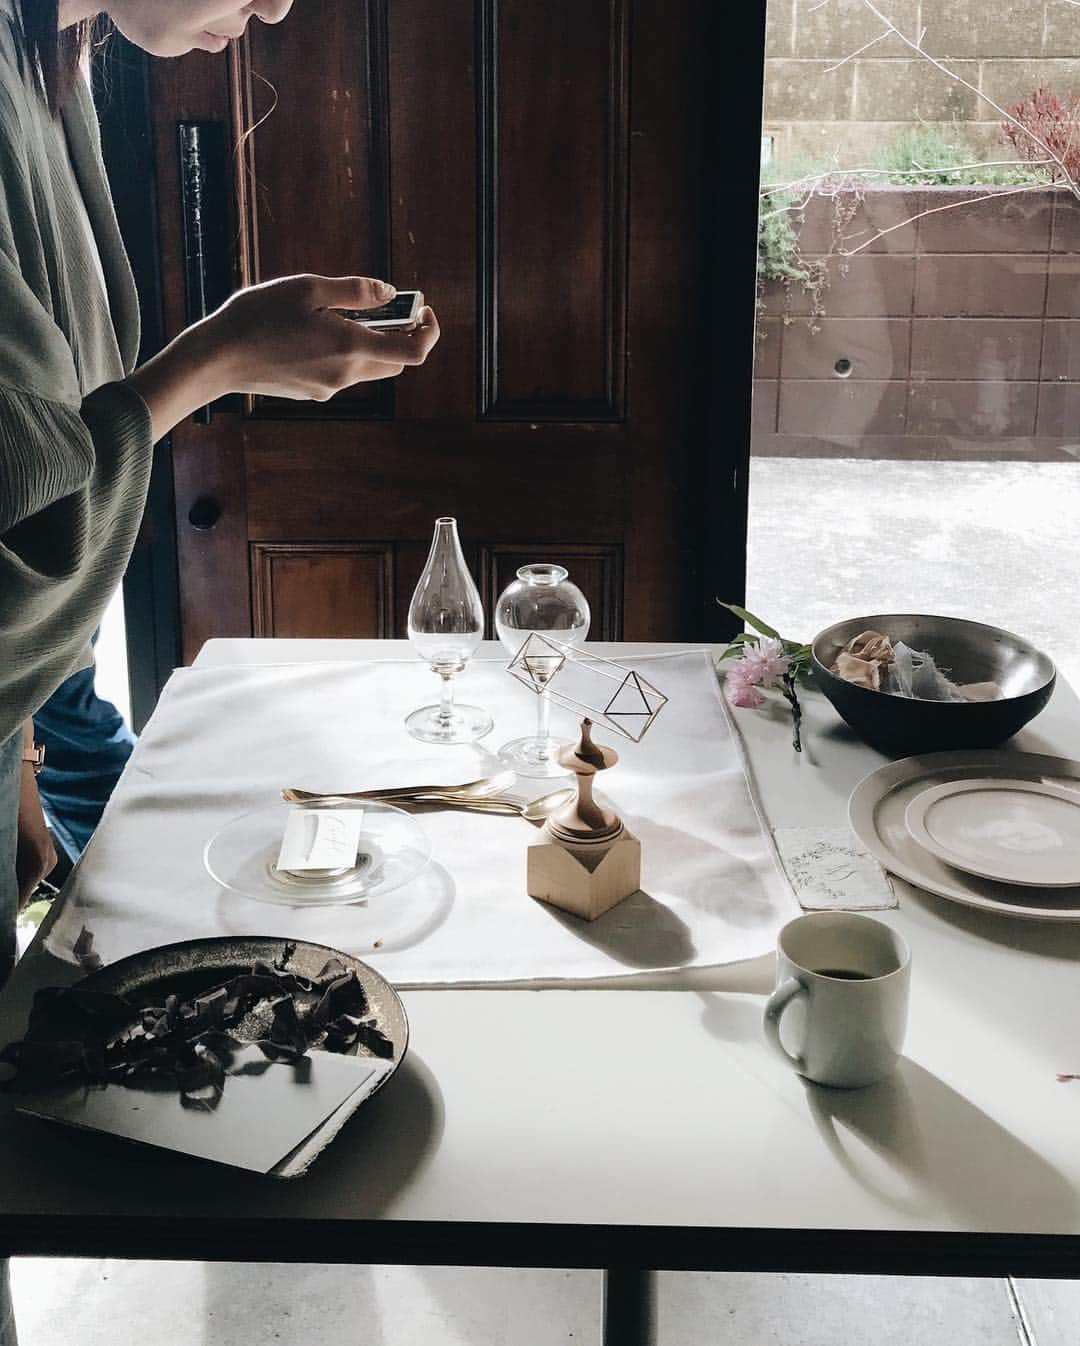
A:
[(224, 741)]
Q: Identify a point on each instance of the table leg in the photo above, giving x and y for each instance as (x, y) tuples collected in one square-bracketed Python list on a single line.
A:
[(629, 1307)]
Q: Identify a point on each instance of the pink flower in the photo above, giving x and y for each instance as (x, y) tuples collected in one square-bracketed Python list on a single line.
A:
[(742, 694), (741, 691), (765, 663)]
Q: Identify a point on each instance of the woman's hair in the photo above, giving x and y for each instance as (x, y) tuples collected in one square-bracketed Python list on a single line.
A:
[(53, 52)]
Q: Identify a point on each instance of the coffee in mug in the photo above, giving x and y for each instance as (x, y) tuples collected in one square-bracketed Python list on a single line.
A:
[(849, 976)]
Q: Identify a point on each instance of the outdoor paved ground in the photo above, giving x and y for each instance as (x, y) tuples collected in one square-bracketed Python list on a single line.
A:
[(64, 1303), (995, 542)]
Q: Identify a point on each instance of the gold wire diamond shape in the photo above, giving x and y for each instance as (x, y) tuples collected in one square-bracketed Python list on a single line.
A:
[(631, 701), (536, 663)]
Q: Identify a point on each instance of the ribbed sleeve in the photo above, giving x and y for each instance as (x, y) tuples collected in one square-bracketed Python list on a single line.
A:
[(50, 454), (75, 439), (46, 452)]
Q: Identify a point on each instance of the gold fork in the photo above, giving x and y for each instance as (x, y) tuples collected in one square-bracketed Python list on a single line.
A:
[(486, 785), (532, 810)]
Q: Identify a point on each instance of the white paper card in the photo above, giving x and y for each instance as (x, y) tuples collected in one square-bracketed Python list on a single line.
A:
[(829, 870), (261, 1117), (321, 839)]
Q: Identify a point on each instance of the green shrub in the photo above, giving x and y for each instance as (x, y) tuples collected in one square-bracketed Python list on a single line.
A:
[(778, 223), (919, 156), (924, 156)]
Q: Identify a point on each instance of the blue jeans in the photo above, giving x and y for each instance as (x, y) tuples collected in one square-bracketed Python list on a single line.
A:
[(87, 745), (10, 775)]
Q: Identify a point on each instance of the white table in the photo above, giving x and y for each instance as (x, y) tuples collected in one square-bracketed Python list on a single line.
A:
[(647, 1128)]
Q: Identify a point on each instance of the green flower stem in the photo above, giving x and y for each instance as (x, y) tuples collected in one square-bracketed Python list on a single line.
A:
[(792, 698)]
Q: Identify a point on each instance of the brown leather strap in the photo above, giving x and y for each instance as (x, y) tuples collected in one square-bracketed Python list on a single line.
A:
[(35, 756)]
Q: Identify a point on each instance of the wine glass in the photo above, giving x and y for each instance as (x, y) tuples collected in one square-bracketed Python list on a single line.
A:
[(446, 624), (541, 601)]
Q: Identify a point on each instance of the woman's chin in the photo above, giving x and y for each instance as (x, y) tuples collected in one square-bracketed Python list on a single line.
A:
[(180, 46), (212, 43)]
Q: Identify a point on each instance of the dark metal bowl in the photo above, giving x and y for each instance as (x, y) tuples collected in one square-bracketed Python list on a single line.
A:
[(965, 652)]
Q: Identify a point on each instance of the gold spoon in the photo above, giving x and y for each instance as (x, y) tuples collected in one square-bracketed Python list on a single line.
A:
[(532, 810)]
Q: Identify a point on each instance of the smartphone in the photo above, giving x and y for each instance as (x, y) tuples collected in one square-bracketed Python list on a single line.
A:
[(402, 311)]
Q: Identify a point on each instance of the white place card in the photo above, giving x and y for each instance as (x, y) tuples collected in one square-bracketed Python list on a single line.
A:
[(831, 871), (321, 839), (262, 1116)]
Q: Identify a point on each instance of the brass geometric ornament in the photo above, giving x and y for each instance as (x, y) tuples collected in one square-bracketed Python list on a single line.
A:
[(635, 702), (608, 692), (536, 663)]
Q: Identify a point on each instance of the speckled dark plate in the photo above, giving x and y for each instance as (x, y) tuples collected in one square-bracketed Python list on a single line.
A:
[(196, 965)]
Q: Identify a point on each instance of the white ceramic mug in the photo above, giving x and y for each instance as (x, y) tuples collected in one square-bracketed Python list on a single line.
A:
[(850, 976)]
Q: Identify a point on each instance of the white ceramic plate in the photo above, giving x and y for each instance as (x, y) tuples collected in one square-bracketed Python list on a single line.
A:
[(1015, 831), (877, 813)]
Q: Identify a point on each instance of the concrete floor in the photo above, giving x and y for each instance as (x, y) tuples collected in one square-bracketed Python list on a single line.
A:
[(995, 542), (998, 542), (68, 1303)]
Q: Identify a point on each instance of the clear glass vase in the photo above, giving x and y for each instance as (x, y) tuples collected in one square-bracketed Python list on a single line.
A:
[(446, 624), (540, 601)]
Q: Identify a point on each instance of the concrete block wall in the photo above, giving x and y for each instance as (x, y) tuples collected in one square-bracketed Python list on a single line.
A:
[(1005, 48), (954, 335)]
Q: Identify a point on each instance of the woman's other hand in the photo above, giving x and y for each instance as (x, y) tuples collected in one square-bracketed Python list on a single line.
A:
[(281, 339), (35, 855)]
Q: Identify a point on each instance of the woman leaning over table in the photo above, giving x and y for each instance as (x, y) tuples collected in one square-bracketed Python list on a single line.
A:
[(77, 420)]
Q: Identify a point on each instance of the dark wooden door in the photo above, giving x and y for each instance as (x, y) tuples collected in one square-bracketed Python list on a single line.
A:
[(534, 168)]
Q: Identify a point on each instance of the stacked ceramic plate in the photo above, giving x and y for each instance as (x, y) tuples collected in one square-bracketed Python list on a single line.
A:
[(991, 829)]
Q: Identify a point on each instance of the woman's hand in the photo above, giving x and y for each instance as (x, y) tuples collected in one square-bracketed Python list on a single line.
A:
[(281, 339), (35, 855)]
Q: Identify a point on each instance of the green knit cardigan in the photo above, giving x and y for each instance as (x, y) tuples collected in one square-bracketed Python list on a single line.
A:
[(75, 440)]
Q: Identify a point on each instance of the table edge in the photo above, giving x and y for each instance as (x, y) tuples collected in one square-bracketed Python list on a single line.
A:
[(659, 1248)]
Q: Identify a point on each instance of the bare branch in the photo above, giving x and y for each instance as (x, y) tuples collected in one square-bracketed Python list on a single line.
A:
[(872, 43), (818, 180), (966, 84), (949, 205)]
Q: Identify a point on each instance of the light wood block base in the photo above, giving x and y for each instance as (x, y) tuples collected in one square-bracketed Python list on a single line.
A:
[(588, 886)]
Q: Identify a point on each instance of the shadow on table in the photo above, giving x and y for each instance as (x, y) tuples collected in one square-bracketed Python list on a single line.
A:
[(715, 881), (381, 1146), (824, 728), (639, 933), (390, 922), (924, 1149), (731, 1020), (1050, 939), (643, 933)]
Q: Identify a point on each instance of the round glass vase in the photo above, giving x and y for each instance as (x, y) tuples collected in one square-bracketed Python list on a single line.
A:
[(541, 601)]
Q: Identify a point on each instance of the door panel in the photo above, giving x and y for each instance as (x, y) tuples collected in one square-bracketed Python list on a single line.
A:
[(535, 169), (321, 589), (553, 209)]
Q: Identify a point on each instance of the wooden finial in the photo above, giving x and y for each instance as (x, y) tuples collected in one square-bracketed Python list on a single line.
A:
[(585, 756), (583, 820)]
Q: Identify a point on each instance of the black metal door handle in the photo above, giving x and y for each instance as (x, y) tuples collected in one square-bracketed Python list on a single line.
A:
[(204, 513), (204, 209)]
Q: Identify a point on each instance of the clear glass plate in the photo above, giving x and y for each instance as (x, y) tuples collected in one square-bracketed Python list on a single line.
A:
[(242, 857)]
